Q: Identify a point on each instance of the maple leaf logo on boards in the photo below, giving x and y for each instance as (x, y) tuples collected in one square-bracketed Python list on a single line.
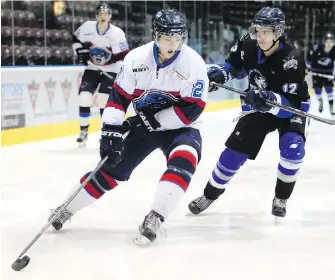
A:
[(50, 87), (33, 90), (66, 89)]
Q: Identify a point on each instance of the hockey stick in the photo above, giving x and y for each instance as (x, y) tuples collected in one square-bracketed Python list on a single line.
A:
[(281, 106), (99, 69), (330, 77), (22, 261)]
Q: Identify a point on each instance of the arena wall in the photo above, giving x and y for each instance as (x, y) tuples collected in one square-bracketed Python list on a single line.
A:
[(41, 103)]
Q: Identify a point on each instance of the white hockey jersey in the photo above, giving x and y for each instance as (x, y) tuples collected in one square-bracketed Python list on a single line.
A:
[(175, 92), (106, 50)]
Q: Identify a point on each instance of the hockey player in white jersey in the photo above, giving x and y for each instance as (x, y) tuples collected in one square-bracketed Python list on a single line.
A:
[(105, 45), (167, 83)]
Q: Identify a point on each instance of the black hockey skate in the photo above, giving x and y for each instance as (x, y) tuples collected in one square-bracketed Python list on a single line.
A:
[(82, 138), (279, 207), (149, 228), (61, 218), (199, 204), (320, 105)]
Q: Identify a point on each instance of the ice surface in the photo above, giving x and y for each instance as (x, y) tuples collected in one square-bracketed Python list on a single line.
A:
[(235, 239)]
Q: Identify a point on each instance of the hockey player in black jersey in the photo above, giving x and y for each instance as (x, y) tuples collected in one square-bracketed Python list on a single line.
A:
[(276, 72), (320, 61)]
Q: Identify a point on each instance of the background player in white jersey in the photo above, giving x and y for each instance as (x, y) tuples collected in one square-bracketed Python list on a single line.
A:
[(320, 61), (167, 83), (105, 45)]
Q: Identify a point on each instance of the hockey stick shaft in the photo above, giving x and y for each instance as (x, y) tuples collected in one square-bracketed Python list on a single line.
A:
[(323, 75), (101, 70), (66, 203), (281, 106)]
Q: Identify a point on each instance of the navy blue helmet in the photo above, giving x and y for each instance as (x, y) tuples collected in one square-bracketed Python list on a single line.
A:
[(169, 23), (103, 7), (269, 17)]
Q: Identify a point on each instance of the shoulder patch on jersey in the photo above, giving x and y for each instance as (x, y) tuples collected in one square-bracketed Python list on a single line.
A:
[(234, 48), (198, 89), (290, 62)]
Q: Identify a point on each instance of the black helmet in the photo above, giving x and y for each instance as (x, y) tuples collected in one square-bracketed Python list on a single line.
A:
[(103, 7), (169, 23), (329, 36), (269, 17)]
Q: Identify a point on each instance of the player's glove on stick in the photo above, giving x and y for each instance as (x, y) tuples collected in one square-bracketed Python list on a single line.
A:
[(255, 98), (83, 55), (218, 75), (142, 123), (111, 143)]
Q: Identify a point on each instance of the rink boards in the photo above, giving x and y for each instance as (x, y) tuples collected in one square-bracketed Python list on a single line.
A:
[(40, 103)]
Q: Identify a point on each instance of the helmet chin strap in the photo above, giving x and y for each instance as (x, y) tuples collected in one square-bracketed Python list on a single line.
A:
[(274, 42)]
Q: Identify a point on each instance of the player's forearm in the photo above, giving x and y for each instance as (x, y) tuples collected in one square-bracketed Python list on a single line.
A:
[(176, 117), (303, 105), (233, 72), (117, 57), (116, 106)]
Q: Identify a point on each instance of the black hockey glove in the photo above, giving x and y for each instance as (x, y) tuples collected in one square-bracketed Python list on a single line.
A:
[(255, 98), (142, 123), (83, 55), (111, 143), (218, 75)]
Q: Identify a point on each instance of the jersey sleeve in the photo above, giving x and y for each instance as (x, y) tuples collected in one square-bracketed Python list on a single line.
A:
[(294, 91), (120, 43), (234, 64), (120, 95), (119, 47), (77, 38), (192, 103)]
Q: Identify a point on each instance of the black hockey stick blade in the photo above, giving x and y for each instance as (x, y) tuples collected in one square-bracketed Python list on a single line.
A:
[(281, 106)]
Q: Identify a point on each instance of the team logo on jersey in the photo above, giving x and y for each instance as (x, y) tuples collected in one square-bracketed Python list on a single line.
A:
[(33, 90), (242, 55), (256, 78), (296, 120), (290, 62), (141, 68), (66, 89), (324, 61), (50, 87), (100, 56)]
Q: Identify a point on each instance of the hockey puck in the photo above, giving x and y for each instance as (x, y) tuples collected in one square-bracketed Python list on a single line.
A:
[(19, 264)]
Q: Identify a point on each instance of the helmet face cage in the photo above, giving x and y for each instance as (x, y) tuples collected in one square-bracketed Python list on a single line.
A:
[(278, 30), (171, 33)]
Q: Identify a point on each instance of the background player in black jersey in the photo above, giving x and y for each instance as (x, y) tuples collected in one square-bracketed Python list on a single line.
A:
[(276, 72), (320, 60)]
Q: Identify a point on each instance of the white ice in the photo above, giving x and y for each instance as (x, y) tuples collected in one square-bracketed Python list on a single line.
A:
[(235, 239)]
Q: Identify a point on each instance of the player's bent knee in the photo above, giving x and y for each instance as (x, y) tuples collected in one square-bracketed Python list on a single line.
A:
[(99, 183), (102, 99), (85, 99), (181, 163), (292, 146)]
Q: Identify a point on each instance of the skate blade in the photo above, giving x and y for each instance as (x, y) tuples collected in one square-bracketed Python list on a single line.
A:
[(82, 144), (141, 240), (278, 220)]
